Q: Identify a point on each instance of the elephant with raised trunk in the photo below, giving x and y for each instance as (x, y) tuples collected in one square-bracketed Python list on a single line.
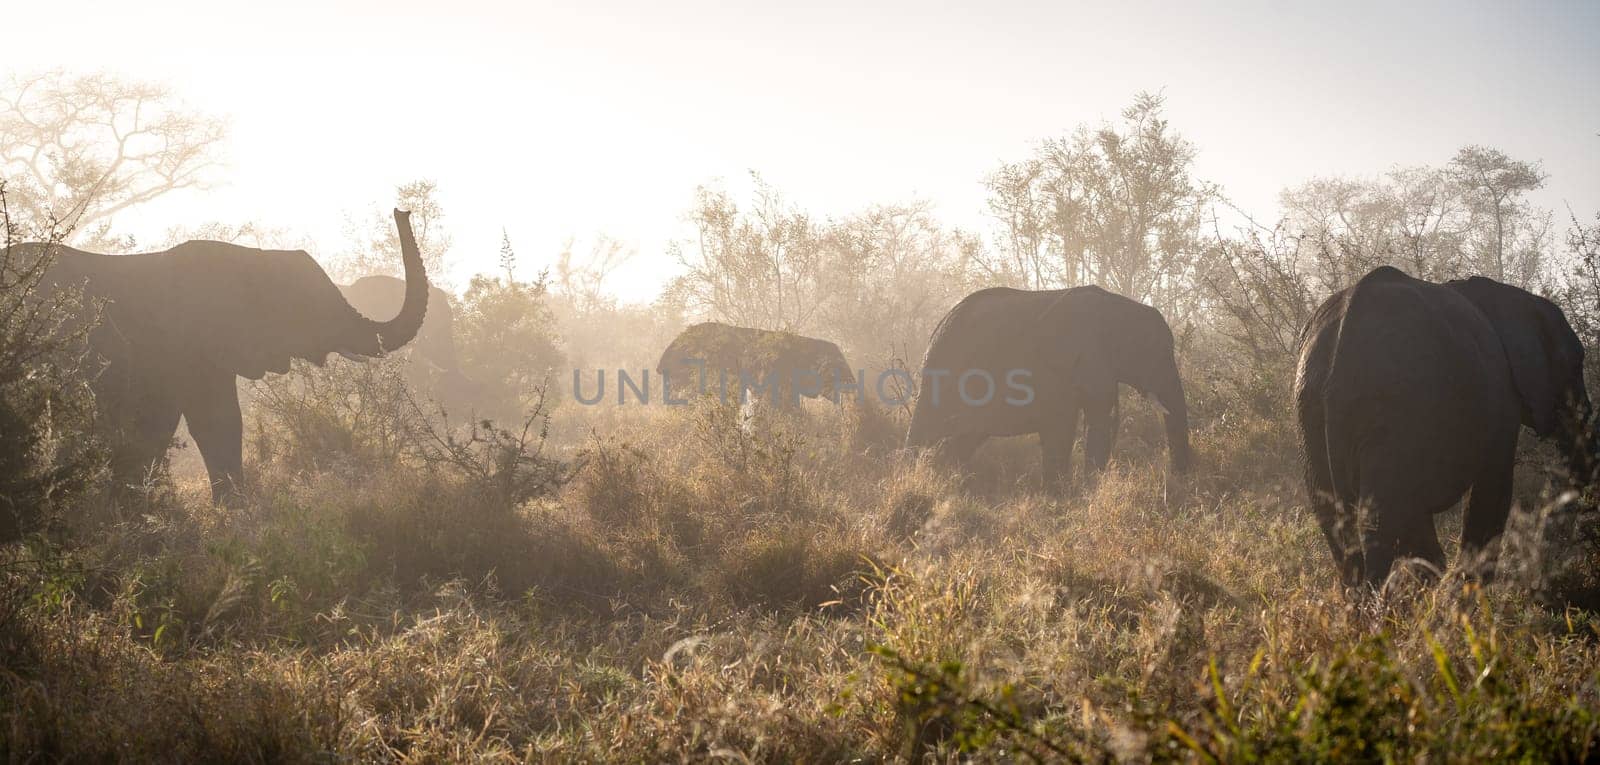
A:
[(177, 327), (435, 367), (1411, 394), (716, 357), (1056, 355)]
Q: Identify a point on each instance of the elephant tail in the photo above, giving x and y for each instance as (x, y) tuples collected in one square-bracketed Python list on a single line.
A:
[(1343, 464), (1330, 454)]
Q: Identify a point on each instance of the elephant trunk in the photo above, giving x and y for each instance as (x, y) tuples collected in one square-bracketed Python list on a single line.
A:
[(1172, 400), (1581, 441), (399, 330), (919, 435)]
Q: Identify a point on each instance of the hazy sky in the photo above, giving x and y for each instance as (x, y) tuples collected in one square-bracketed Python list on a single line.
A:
[(555, 120)]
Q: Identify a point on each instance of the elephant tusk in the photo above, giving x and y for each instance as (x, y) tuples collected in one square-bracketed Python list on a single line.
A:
[(1159, 406)]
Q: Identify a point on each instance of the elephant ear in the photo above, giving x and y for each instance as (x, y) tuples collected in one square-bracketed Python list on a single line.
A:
[(1536, 347), (252, 311), (1079, 347)]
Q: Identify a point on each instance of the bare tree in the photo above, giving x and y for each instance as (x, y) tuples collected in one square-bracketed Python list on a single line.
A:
[(83, 148)]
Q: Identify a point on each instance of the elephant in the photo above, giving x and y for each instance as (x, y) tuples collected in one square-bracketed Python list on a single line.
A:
[(717, 357), (1060, 354), (1410, 394), (175, 328), (435, 365)]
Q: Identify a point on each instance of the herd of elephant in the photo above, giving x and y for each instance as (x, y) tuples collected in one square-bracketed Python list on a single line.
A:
[(1409, 394)]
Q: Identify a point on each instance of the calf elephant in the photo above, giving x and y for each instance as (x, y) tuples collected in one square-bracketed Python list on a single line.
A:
[(705, 355), (1069, 349), (1409, 394), (435, 366), (177, 327)]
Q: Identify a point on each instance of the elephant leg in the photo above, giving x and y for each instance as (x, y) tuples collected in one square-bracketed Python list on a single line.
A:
[(1333, 516), (1380, 541), (1385, 510), (1100, 426), (1423, 543), (1488, 508), (955, 454), (1399, 512), (212, 410), (145, 428), (1055, 446), (957, 451)]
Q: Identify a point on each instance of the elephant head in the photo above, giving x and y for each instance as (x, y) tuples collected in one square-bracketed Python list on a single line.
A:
[(1546, 360), (251, 311), (1139, 347)]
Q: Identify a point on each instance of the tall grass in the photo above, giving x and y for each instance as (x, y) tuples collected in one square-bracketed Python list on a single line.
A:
[(694, 583)]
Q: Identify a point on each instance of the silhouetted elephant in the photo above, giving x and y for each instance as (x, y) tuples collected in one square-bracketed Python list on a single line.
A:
[(1410, 393), (179, 326), (1053, 355), (435, 366), (712, 353)]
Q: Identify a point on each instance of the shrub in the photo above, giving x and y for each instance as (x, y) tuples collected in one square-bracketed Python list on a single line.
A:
[(48, 451)]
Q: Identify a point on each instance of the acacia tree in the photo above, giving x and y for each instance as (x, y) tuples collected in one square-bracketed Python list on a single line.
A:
[(759, 267), (81, 149), (1114, 206)]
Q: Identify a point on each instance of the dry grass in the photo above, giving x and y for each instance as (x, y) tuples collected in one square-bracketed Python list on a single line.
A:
[(787, 589)]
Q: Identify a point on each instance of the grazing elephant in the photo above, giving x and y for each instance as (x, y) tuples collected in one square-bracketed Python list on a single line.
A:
[(1410, 394), (177, 327), (704, 355), (1055, 355), (435, 366)]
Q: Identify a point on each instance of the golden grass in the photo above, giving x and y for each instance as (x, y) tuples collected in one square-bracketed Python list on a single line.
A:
[(788, 589)]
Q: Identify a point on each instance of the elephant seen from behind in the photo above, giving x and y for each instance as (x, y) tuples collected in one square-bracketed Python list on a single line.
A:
[(1411, 394)]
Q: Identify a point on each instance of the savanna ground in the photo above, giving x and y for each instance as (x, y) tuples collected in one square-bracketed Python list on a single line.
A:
[(644, 584)]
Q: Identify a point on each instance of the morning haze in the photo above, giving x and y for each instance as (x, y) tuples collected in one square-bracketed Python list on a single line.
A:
[(766, 382), (604, 118)]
